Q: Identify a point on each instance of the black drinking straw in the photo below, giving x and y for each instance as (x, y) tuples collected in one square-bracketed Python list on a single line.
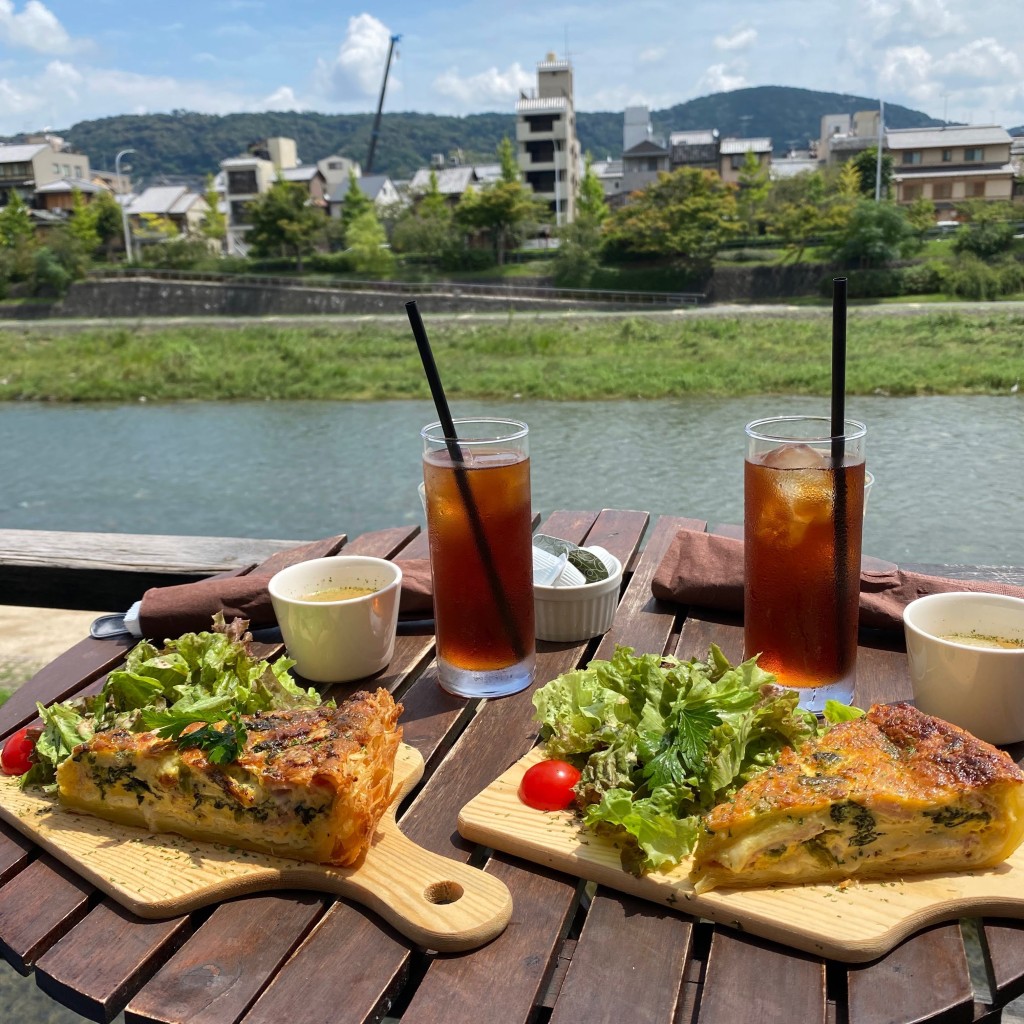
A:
[(839, 448), (458, 460)]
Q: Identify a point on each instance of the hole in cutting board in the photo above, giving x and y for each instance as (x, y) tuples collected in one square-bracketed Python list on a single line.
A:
[(443, 892)]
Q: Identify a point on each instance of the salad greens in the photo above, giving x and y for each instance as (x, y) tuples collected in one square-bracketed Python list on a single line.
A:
[(660, 741), (203, 677)]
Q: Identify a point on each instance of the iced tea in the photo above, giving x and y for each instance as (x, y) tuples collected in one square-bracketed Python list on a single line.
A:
[(802, 553), (479, 531)]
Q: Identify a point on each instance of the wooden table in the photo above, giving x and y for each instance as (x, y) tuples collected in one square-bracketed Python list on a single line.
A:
[(566, 956)]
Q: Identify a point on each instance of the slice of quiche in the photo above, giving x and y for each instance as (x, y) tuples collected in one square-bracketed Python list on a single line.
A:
[(893, 792), (308, 783)]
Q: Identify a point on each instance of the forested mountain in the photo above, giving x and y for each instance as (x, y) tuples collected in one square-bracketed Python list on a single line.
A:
[(189, 145)]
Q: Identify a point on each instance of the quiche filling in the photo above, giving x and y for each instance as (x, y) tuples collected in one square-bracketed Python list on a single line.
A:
[(895, 792), (308, 783)]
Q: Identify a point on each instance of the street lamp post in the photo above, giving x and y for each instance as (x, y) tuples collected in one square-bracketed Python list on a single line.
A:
[(124, 205)]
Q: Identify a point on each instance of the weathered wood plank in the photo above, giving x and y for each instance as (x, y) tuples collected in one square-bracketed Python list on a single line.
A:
[(108, 571)]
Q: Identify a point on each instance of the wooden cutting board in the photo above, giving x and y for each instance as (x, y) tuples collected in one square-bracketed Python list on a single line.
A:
[(439, 903), (854, 922)]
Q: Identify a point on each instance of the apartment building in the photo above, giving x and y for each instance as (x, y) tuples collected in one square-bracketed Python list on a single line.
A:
[(25, 167), (547, 149), (732, 156), (245, 178), (694, 149), (951, 164)]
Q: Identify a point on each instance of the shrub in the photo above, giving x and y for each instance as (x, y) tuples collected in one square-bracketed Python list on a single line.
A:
[(49, 277), (175, 254), (922, 278)]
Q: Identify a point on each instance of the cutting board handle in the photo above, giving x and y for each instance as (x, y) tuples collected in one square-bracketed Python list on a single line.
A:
[(439, 903)]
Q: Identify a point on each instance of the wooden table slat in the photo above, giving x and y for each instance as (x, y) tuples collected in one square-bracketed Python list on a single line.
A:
[(15, 852), (604, 977), (39, 905), (924, 978), (349, 968), (504, 981), (1004, 941), (220, 972), (97, 987)]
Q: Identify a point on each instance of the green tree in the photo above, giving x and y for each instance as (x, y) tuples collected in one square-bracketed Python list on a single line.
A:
[(866, 163), (108, 222), (591, 204), (427, 228), (284, 223), (876, 234), (507, 160), (366, 241), (504, 210), (215, 223), (17, 238), (754, 188), (684, 216), (82, 224), (988, 228), (356, 203), (921, 216)]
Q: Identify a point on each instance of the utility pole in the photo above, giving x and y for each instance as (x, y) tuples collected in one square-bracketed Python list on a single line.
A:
[(380, 105), (126, 227), (878, 164)]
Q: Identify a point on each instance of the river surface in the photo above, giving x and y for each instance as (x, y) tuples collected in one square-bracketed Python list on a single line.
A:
[(949, 470)]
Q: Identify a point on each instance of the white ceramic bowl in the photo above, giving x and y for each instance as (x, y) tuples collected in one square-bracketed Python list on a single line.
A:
[(578, 613), (338, 641), (980, 689)]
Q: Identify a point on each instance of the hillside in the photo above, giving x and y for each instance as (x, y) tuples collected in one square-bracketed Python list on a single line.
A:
[(190, 145)]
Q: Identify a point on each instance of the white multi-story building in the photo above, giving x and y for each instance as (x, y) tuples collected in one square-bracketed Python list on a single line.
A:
[(547, 149), (247, 177)]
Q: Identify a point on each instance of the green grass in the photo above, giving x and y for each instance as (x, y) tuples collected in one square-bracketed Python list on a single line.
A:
[(946, 352)]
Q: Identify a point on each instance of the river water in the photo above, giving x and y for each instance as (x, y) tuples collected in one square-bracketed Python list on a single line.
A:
[(949, 470)]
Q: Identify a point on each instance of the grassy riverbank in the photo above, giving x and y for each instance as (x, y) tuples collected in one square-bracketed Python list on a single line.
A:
[(946, 352)]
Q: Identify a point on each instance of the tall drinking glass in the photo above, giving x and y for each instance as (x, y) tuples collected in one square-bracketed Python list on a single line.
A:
[(479, 528), (803, 513)]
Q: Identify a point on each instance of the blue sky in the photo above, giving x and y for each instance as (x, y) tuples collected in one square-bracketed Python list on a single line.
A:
[(63, 61)]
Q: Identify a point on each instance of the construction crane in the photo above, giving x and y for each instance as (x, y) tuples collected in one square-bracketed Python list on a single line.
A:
[(380, 106)]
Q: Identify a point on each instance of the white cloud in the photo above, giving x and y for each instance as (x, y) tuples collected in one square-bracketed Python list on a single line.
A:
[(908, 70), (283, 98), (490, 86), (652, 55), (358, 68), (34, 28), (739, 40), (720, 78), (911, 19), (980, 61)]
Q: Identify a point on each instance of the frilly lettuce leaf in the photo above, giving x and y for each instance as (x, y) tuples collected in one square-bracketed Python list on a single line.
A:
[(662, 741), (199, 677)]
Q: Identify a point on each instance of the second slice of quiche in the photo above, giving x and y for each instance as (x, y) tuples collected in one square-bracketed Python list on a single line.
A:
[(893, 792), (309, 783)]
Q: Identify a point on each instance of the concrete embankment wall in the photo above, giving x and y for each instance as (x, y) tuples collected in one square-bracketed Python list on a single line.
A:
[(141, 297)]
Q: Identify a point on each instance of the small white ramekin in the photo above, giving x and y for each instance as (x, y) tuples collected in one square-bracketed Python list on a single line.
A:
[(579, 613)]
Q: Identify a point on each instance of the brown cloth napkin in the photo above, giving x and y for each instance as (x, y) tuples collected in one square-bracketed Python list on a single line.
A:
[(706, 570), (189, 607)]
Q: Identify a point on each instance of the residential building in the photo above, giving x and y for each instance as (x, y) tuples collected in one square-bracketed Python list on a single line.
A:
[(843, 136), (547, 149), (950, 164), (609, 173), (336, 170), (175, 203), (642, 163), (378, 188), (452, 182), (311, 178), (694, 149), (247, 177), (27, 166), (60, 195), (732, 156)]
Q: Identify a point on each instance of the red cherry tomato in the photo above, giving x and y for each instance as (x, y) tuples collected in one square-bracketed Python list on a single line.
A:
[(548, 785), (16, 758)]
